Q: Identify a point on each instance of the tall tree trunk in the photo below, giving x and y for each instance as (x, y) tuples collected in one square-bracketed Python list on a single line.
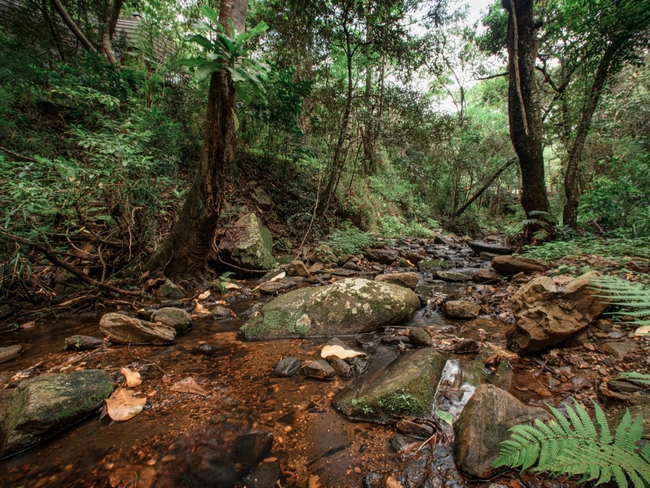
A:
[(570, 214), (109, 29), (523, 104), (336, 167), (186, 248)]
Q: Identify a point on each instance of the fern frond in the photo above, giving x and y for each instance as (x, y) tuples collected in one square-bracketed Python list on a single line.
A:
[(633, 298), (576, 446)]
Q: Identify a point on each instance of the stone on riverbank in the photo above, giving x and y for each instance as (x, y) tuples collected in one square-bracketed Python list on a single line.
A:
[(45, 405), (348, 306), (547, 314), (461, 309), (510, 265), (10, 352), (122, 329), (406, 387), (483, 425), (250, 246)]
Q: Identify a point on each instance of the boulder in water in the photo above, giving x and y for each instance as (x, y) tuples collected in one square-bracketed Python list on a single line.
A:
[(348, 306), (407, 387), (176, 318), (483, 425), (461, 309), (407, 279), (45, 405), (478, 247), (122, 329)]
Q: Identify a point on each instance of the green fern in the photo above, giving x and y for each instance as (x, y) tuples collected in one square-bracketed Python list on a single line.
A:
[(640, 378), (578, 446), (633, 298)]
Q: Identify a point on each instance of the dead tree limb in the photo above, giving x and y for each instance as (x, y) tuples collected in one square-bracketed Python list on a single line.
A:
[(52, 257), (72, 25), (489, 182)]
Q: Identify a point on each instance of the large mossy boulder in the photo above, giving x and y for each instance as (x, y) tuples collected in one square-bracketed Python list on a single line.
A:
[(406, 387), (249, 245), (43, 406), (547, 314), (348, 306), (483, 425)]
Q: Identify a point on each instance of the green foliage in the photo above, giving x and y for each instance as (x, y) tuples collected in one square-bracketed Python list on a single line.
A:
[(229, 53), (632, 298), (222, 280), (580, 446), (349, 240), (584, 246), (642, 378), (394, 226)]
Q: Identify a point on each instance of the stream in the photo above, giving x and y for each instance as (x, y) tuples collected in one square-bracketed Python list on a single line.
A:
[(189, 440)]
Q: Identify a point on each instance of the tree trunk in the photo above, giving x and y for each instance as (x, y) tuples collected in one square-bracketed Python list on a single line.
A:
[(338, 159), (109, 30), (186, 248), (570, 214), (523, 105)]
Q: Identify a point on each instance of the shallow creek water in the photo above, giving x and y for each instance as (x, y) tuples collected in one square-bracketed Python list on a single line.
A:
[(184, 440)]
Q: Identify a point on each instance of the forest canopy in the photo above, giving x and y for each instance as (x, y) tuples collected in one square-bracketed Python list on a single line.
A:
[(130, 129)]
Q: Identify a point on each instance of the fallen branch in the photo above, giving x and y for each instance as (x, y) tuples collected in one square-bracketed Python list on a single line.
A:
[(51, 256), (508, 163)]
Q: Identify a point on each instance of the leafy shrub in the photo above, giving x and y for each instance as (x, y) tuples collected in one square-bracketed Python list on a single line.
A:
[(349, 240), (578, 446), (605, 247)]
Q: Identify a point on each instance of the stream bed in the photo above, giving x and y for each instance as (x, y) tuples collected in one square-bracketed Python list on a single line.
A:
[(248, 416)]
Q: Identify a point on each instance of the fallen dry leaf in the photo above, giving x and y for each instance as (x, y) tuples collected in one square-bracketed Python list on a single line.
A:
[(188, 385), (231, 286), (28, 325), (132, 377), (340, 352), (122, 405), (204, 295), (199, 309), (314, 482), (278, 277), (391, 482), (642, 331), (503, 353)]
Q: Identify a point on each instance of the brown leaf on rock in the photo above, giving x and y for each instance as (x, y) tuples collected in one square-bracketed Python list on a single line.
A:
[(188, 385), (204, 295), (123, 405), (132, 377)]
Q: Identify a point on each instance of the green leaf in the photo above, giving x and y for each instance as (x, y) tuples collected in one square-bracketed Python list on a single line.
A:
[(210, 13)]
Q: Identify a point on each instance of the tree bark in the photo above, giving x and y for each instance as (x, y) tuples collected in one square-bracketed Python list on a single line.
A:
[(186, 248), (570, 213), (523, 104), (73, 26), (109, 30)]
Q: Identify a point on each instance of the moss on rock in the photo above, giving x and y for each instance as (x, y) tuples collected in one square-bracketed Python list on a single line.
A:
[(407, 387), (348, 306)]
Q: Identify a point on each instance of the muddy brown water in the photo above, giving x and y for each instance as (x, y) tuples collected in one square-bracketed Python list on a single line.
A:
[(184, 440)]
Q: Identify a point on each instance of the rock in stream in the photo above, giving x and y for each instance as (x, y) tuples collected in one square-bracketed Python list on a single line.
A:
[(45, 405), (348, 306)]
